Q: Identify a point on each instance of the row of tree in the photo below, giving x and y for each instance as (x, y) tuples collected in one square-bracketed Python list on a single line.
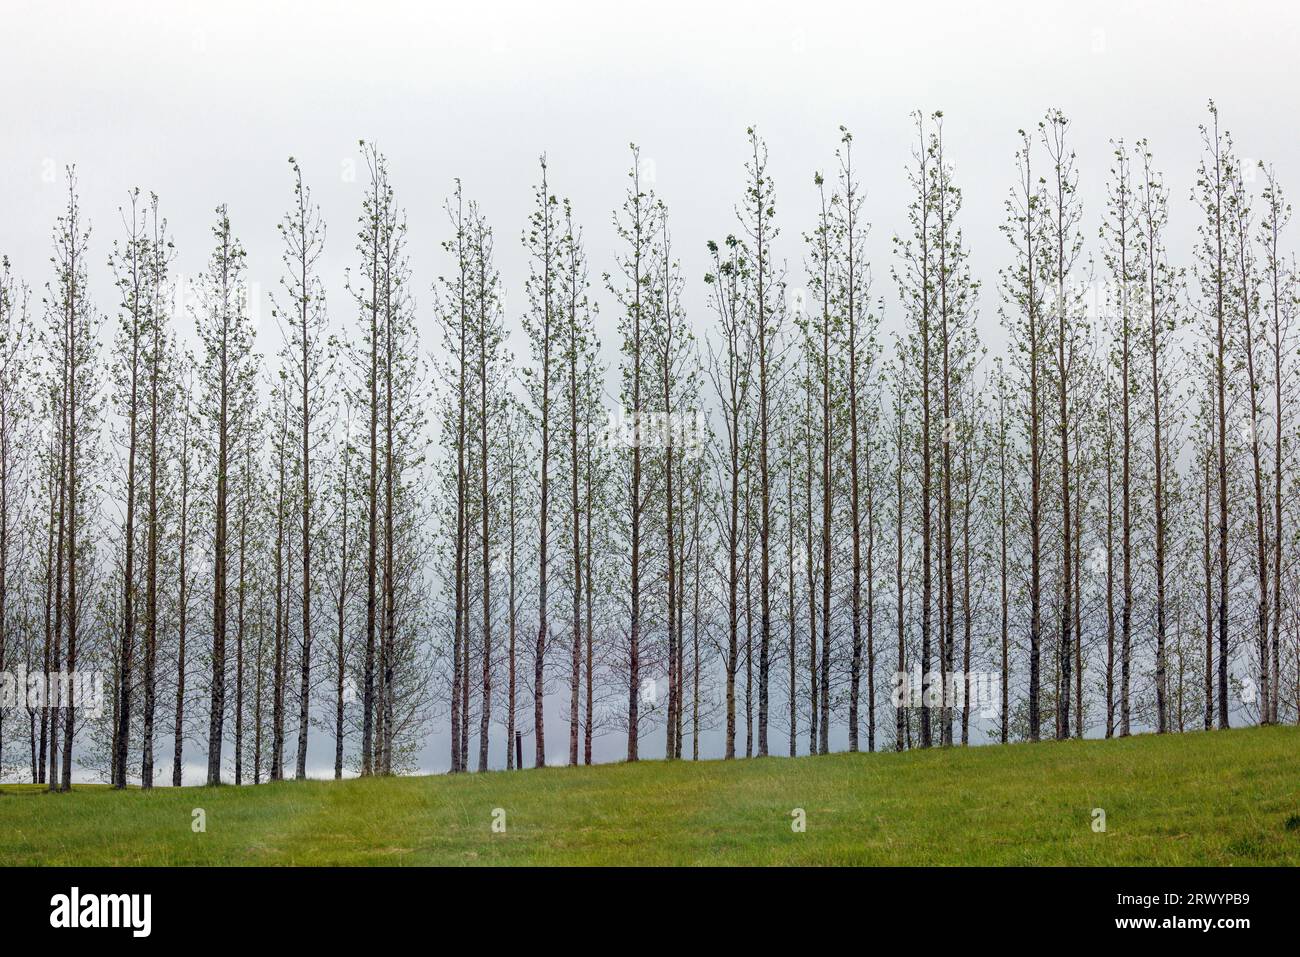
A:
[(775, 514)]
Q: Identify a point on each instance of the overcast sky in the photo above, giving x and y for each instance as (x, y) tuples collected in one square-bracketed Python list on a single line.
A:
[(205, 108)]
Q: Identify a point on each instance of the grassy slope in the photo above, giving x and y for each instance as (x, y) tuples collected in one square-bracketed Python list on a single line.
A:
[(1204, 798)]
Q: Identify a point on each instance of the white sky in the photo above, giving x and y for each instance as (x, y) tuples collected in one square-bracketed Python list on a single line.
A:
[(205, 107)]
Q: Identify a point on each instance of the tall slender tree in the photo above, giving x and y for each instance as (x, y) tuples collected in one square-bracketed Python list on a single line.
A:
[(130, 261), (541, 323), (731, 370), (1121, 236), (636, 225), (1213, 182), (488, 338), (186, 465), (757, 214), (1279, 305), (915, 275), (1161, 294), (72, 319), (227, 379), (1251, 342), (1062, 216), (302, 317), (1023, 297), (159, 374), (16, 420)]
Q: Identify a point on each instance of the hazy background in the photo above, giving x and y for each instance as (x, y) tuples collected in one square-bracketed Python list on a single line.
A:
[(205, 107)]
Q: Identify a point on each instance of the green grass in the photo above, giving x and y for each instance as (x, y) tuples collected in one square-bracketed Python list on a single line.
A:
[(1222, 797)]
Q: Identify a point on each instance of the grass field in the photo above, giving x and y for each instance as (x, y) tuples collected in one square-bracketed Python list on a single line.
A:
[(1222, 797)]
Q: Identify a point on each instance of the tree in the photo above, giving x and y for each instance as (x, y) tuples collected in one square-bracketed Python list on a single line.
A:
[(1120, 232), (665, 333), (954, 320), (303, 319), (822, 330), (159, 375), (1161, 294), (861, 352), (341, 497), (385, 387), (375, 214), (597, 506), (579, 346), (542, 240), (1002, 443), (756, 215), (16, 411), (1213, 181), (488, 335), (916, 288), (130, 262), (185, 466), (901, 408), (731, 370), (636, 225), (670, 428), (455, 312), (282, 451), (245, 524), (1023, 302), (1061, 216), (402, 451), (226, 378), (516, 465), (71, 318), (1252, 344), (1279, 309)]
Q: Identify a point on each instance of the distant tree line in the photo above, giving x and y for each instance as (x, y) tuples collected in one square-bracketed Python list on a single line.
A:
[(754, 520)]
